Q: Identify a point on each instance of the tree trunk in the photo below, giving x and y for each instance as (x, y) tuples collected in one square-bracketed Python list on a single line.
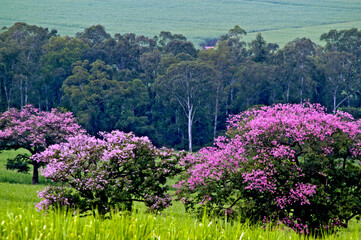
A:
[(301, 91), (8, 97), (3, 95), (190, 129), (21, 94), (216, 114), (26, 91), (288, 92), (334, 100), (35, 172)]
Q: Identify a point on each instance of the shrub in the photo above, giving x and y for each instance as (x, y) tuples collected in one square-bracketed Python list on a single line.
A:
[(107, 173), (293, 164)]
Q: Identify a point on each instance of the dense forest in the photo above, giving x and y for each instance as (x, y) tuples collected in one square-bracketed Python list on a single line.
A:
[(165, 87)]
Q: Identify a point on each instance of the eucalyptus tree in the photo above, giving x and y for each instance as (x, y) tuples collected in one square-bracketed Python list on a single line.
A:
[(101, 103), (260, 50), (220, 58), (165, 37), (57, 59), (255, 85), (189, 83), (20, 51), (296, 58), (348, 40), (150, 63), (88, 92), (128, 49), (177, 46), (93, 35), (341, 77)]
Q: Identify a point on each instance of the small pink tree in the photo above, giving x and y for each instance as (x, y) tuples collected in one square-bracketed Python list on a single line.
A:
[(102, 174), (293, 164), (35, 130)]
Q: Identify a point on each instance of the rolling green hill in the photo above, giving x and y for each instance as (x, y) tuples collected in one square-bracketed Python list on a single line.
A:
[(279, 20)]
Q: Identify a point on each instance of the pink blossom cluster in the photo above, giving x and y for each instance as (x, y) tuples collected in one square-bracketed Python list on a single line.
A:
[(35, 130), (258, 179), (117, 169), (51, 196), (300, 194), (156, 203), (279, 156), (296, 225)]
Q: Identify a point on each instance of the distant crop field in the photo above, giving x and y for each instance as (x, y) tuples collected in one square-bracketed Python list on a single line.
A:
[(279, 20)]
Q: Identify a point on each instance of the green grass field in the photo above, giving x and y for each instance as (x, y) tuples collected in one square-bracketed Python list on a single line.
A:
[(279, 20), (13, 176), (20, 220)]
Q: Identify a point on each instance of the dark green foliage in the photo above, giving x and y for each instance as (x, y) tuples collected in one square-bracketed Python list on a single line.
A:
[(348, 40), (20, 163), (110, 82), (354, 111)]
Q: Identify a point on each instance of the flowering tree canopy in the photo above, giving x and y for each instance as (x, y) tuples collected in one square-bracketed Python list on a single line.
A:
[(35, 130), (293, 164), (106, 173)]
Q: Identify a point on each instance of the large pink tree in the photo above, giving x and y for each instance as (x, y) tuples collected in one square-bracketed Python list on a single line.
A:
[(35, 130), (293, 164)]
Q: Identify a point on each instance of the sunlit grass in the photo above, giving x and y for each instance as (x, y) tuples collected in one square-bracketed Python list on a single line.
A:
[(29, 224), (10, 176), (17, 196)]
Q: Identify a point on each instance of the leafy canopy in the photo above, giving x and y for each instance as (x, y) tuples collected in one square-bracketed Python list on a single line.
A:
[(34, 131), (293, 164), (106, 173)]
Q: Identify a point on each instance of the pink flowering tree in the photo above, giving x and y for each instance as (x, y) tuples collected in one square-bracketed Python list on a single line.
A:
[(290, 164), (34, 130), (107, 173)]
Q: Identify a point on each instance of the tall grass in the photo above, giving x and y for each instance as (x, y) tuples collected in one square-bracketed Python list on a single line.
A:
[(29, 224)]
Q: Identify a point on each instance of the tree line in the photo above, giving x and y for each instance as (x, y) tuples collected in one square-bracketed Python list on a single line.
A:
[(166, 88)]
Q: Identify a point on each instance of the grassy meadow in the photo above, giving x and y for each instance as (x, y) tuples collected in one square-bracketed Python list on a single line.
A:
[(279, 21), (20, 220)]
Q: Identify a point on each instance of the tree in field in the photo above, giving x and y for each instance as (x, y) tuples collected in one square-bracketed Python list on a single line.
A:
[(35, 130), (189, 83), (289, 163), (114, 171)]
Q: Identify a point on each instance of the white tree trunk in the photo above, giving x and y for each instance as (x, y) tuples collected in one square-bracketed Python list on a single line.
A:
[(190, 131), (216, 114)]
